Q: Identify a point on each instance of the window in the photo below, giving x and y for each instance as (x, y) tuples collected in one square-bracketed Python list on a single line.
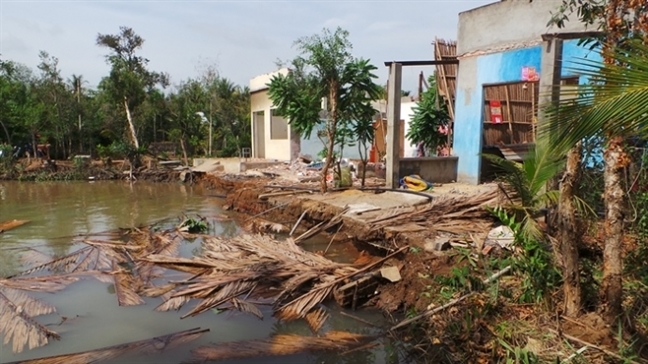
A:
[(510, 112), (278, 127)]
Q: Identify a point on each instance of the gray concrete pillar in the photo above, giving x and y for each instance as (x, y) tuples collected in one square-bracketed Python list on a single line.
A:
[(393, 125), (550, 77)]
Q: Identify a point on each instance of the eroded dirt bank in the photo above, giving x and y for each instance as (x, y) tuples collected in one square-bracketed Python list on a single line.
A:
[(373, 242)]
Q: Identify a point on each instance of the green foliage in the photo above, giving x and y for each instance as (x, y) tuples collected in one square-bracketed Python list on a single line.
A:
[(527, 182), (78, 120), (325, 69), (194, 226), (518, 355), (461, 279), (428, 118), (612, 104), (533, 262)]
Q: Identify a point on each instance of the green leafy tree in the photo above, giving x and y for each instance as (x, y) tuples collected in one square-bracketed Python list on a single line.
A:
[(57, 105), (428, 119), (130, 82), (325, 69)]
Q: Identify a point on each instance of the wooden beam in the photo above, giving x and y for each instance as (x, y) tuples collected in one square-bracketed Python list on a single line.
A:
[(423, 63)]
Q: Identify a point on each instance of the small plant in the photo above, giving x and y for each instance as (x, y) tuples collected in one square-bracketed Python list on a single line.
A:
[(533, 261), (461, 279), (518, 355), (194, 226)]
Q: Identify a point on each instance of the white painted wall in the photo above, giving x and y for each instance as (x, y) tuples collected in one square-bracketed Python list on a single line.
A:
[(278, 149), (407, 113), (260, 82)]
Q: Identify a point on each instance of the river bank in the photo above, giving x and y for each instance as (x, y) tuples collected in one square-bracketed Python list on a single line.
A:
[(438, 246)]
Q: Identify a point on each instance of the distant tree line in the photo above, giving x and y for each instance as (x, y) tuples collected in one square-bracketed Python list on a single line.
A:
[(131, 107)]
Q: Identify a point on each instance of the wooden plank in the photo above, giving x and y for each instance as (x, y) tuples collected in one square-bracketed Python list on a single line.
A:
[(508, 110), (11, 224)]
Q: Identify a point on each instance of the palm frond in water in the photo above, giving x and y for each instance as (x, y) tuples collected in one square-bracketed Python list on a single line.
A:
[(245, 306), (224, 294), (125, 288), (231, 268), (39, 283), (16, 320), (278, 345), (156, 344), (302, 305), (316, 319), (172, 303)]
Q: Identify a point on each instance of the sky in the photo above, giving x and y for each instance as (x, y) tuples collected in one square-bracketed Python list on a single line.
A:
[(241, 39)]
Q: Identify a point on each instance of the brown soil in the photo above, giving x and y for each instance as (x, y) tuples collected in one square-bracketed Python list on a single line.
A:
[(407, 293), (36, 169), (418, 268), (243, 197)]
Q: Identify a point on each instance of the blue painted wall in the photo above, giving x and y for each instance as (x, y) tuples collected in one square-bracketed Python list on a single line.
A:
[(495, 68)]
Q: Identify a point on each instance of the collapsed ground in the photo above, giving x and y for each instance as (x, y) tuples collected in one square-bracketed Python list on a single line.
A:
[(447, 255)]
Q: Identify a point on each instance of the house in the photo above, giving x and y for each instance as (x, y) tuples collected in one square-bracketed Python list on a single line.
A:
[(273, 137), (505, 65)]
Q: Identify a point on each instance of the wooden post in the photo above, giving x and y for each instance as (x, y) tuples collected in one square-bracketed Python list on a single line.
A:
[(393, 125), (551, 66)]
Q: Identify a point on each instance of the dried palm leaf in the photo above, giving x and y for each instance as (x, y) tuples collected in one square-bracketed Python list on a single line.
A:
[(280, 345), (39, 284), (125, 288), (299, 307), (17, 324), (156, 291), (32, 257), (223, 295), (172, 303), (193, 265), (156, 344), (245, 306), (316, 319)]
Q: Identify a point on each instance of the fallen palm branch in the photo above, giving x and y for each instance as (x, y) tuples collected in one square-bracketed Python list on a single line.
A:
[(108, 261), (156, 344), (453, 214), (17, 312), (345, 342), (279, 345), (231, 270)]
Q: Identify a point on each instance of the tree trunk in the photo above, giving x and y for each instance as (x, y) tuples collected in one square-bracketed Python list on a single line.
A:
[(363, 160), (331, 130), (131, 126), (568, 232), (6, 132), (184, 151), (329, 155), (611, 288)]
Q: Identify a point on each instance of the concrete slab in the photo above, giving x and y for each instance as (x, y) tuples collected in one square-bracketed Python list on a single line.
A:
[(383, 200), (230, 165), (209, 165)]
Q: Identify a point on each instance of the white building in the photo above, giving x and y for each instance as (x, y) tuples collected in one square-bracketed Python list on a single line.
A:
[(273, 138)]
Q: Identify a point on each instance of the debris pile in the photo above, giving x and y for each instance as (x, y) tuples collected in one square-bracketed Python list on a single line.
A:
[(231, 271)]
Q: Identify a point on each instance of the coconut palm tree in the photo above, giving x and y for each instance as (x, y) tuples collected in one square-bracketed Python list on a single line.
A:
[(613, 105)]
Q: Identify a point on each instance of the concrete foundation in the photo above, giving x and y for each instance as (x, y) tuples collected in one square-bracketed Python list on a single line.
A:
[(431, 169)]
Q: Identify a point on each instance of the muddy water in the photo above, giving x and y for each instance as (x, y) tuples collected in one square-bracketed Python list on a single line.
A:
[(59, 211)]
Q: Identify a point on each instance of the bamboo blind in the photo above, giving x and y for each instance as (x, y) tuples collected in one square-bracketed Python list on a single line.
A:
[(519, 103)]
